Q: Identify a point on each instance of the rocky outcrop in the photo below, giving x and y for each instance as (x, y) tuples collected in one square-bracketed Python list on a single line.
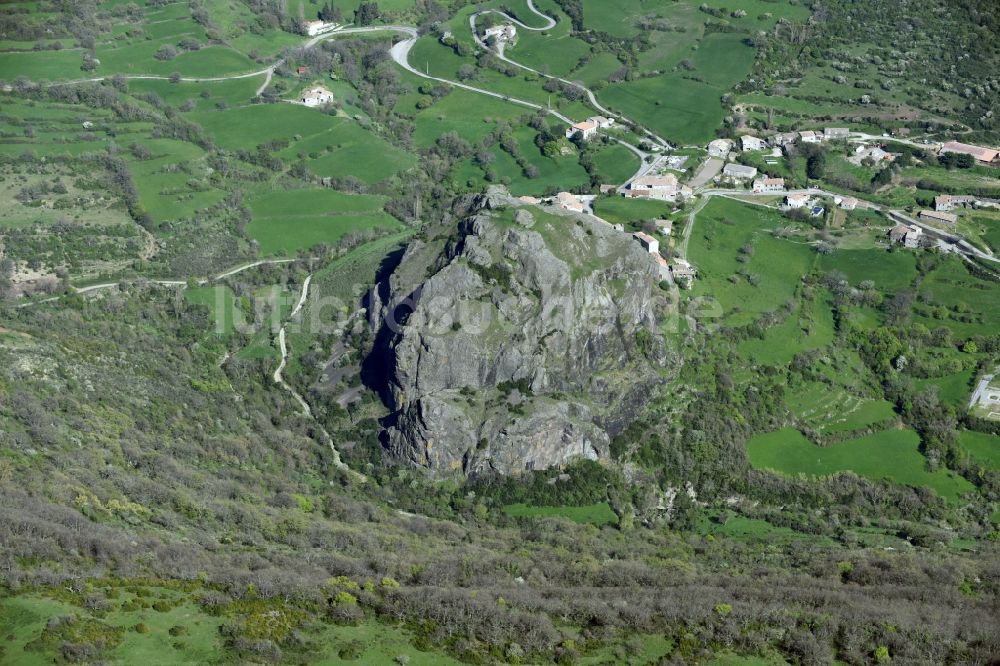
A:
[(520, 341)]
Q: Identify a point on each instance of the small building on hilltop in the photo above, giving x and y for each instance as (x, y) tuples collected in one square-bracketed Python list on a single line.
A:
[(648, 243), (980, 154), (570, 202), (316, 96), (768, 185), (683, 273), (939, 217), (504, 33)]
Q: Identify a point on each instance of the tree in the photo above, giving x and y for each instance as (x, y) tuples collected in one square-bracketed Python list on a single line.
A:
[(166, 52), (816, 165), (467, 72), (6, 275), (330, 13), (366, 13)]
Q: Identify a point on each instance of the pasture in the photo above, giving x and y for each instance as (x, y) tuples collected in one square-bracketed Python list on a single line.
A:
[(286, 222), (630, 212), (983, 448), (891, 455), (808, 327), (224, 308), (766, 280), (889, 270)]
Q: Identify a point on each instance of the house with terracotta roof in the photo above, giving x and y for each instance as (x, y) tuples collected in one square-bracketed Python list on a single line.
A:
[(570, 202), (847, 203), (585, 129), (768, 185), (946, 202), (984, 155)]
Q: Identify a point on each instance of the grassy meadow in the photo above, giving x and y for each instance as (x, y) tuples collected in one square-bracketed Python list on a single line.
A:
[(888, 455)]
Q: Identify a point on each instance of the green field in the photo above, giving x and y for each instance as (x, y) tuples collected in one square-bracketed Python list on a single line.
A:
[(833, 409), (890, 271), (982, 447), (629, 212), (286, 222), (776, 266), (222, 304), (595, 514), (891, 455), (809, 327)]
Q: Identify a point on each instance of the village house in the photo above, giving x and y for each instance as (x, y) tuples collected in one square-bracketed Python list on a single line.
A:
[(601, 121), (570, 202), (906, 234), (836, 133), (648, 243), (661, 264), (847, 203), (683, 272), (316, 96), (585, 129), (720, 148), (945, 202), (663, 187), (984, 155), (938, 217), (738, 172), (809, 136), (301, 69), (873, 153), (748, 143), (504, 33), (783, 139), (767, 185), (797, 200)]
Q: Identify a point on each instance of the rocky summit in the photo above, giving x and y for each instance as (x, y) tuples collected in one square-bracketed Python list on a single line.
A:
[(530, 339)]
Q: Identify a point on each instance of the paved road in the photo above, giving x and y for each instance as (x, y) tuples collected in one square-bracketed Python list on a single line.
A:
[(591, 97), (984, 384)]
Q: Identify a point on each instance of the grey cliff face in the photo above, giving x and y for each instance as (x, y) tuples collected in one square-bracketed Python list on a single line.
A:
[(518, 345)]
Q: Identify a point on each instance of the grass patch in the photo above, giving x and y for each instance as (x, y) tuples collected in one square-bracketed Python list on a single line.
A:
[(594, 514), (286, 222), (981, 447), (889, 455)]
